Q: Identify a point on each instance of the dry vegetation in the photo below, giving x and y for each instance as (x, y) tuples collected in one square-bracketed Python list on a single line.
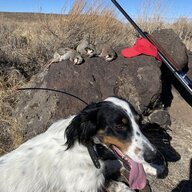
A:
[(27, 41)]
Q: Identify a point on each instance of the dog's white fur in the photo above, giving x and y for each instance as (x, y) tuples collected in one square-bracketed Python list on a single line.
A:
[(38, 165), (42, 164)]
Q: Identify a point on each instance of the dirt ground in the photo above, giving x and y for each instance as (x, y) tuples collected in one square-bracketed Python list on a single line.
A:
[(179, 177)]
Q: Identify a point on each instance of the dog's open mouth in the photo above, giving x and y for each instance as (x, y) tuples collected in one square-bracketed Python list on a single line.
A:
[(137, 177)]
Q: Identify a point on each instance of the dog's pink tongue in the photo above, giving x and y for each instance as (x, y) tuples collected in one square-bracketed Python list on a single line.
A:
[(137, 176)]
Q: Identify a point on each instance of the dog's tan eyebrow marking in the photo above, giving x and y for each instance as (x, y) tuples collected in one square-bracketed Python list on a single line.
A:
[(122, 145)]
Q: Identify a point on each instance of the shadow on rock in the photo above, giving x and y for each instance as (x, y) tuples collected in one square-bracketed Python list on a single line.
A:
[(185, 185), (168, 79), (159, 137)]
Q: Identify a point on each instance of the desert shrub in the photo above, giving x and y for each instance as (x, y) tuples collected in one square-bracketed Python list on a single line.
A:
[(183, 27)]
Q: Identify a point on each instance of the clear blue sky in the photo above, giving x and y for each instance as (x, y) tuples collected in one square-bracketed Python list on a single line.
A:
[(172, 8)]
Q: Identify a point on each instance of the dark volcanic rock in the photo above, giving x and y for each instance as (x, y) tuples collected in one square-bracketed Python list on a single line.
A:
[(140, 82), (92, 81), (173, 45), (137, 80), (160, 117)]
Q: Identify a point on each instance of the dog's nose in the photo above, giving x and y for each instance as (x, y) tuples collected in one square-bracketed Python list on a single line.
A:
[(150, 155)]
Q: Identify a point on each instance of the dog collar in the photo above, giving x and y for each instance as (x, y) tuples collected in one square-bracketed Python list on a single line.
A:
[(93, 154)]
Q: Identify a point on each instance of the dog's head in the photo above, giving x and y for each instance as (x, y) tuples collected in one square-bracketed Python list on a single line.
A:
[(113, 124)]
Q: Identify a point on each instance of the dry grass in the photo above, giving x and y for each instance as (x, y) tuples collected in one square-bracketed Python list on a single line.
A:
[(151, 15), (28, 45), (183, 27), (27, 41), (11, 136)]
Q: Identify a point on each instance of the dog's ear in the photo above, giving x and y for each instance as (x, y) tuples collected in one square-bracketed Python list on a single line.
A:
[(83, 127)]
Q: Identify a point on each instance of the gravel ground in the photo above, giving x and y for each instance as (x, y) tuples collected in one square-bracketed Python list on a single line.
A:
[(179, 178)]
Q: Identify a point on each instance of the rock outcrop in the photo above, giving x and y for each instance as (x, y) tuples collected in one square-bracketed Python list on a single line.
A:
[(138, 80)]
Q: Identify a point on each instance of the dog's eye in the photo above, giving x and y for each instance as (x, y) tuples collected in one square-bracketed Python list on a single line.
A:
[(120, 127), (125, 121), (121, 124)]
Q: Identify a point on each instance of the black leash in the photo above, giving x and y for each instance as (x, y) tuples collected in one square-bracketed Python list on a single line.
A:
[(54, 90)]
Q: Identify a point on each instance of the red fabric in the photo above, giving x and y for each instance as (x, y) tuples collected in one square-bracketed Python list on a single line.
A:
[(141, 46)]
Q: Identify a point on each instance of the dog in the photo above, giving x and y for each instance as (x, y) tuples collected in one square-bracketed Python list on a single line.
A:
[(65, 157)]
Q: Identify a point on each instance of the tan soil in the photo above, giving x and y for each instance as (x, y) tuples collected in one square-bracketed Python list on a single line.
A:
[(181, 116)]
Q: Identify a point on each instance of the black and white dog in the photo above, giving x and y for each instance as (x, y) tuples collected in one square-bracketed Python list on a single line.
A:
[(51, 162)]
